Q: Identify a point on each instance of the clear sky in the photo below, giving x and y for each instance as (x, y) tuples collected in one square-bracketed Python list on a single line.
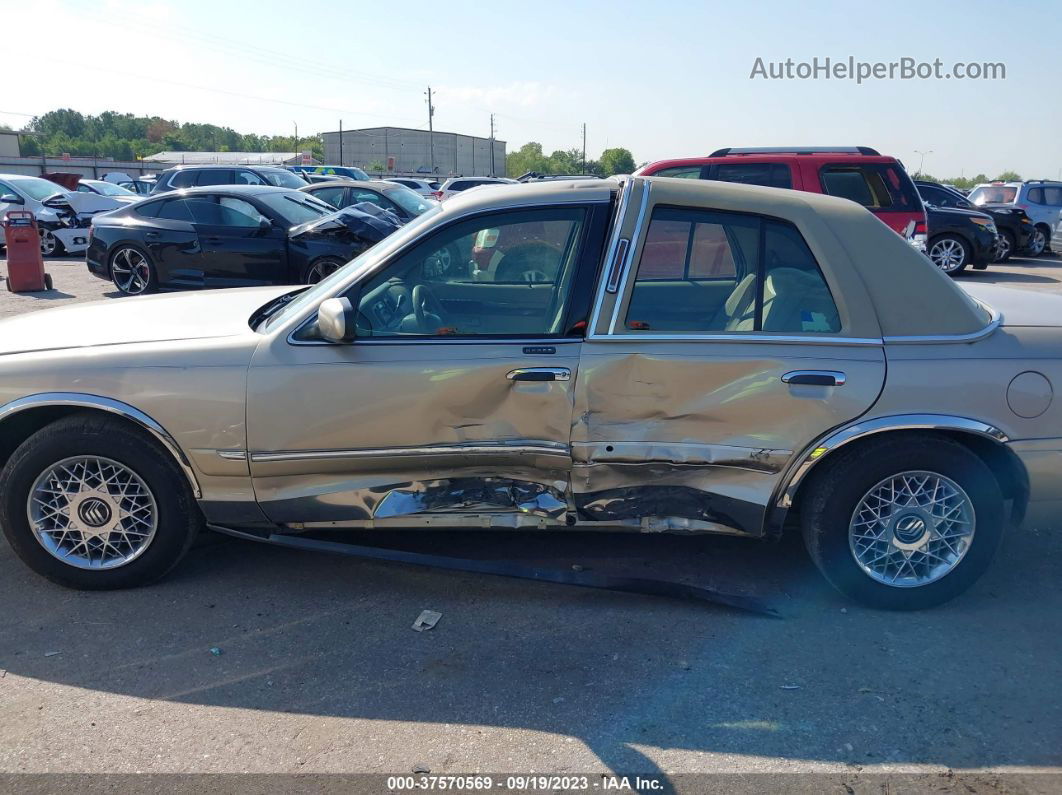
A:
[(664, 79)]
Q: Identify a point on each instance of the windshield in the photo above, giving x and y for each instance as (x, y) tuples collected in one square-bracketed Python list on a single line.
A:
[(357, 173), (284, 179), (295, 207), (993, 194), (110, 189), (320, 290), (409, 200), (36, 188)]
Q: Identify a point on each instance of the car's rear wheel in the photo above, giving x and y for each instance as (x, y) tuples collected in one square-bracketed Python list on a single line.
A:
[(90, 502), (950, 253), (51, 246), (1004, 246), (132, 271), (903, 523), (321, 269)]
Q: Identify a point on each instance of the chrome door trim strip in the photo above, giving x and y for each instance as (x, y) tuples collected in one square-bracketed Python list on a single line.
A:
[(628, 263), (724, 337), (620, 216), (232, 455), (266, 456), (414, 340), (111, 406), (787, 487)]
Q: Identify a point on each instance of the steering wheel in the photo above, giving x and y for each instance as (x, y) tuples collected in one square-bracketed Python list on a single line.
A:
[(426, 302)]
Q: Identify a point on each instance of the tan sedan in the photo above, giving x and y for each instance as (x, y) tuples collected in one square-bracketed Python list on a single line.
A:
[(647, 354)]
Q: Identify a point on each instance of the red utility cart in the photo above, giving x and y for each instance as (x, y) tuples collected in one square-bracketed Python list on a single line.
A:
[(25, 265)]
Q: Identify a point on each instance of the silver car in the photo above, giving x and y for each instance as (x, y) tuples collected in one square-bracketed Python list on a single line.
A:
[(647, 354)]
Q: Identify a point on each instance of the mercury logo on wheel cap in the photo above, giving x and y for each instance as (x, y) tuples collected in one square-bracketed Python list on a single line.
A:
[(910, 528), (94, 512)]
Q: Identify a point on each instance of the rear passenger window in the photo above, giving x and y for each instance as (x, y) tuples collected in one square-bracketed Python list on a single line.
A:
[(1053, 196), (770, 175), (182, 179), (875, 186), (680, 172), (705, 271), (175, 210), (214, 176)]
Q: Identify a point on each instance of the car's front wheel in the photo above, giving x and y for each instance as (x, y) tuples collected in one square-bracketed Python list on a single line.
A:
[(321, 269), (90, 502), (51, 246), (950, 253), (132, 271), (903, 523)]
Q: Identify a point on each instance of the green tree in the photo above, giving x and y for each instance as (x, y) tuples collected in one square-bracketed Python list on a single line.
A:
[(617, 161), (528, 157), (1009, 176)]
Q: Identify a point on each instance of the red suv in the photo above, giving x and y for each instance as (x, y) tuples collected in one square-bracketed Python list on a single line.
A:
[(858, 173)]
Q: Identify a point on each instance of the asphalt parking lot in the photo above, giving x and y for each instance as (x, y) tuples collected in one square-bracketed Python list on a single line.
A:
[(250, 658)]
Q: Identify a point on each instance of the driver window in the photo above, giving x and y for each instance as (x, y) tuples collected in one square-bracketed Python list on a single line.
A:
[(502, 274)]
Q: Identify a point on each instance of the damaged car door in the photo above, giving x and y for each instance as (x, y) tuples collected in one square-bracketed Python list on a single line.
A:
[(452, 404), (720, 350)]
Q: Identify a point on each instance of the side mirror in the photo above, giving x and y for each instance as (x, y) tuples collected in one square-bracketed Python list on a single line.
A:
[(265, 224), (335, 320), (11, 198)]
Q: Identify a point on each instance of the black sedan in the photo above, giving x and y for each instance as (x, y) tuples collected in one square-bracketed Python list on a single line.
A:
[(405, 203), (228, 236), (958, 238), (1013, 223)]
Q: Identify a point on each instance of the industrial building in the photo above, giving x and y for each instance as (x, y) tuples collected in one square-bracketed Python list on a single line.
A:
[(233, 158), (399, 150)]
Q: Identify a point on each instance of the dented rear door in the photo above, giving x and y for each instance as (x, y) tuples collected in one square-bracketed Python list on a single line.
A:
[(696, 388)]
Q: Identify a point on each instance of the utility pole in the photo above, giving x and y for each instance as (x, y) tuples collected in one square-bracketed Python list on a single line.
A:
[(584, 147), (341, 143), (431, 130), (296, 138), (922, 160), (492, 144)]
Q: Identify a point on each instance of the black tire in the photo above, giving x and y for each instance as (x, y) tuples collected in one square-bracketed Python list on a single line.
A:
[(1008, 244), (831, 497), (949, 241), (1045, 231), (313, 270), (91, 434), (152, 278)]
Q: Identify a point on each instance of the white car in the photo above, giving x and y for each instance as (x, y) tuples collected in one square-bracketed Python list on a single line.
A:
[(61, 227), (457, 184), (104, 188), (425, 187)]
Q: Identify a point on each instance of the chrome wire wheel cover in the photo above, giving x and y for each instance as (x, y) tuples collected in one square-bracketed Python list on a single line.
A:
[(130, 271), (321, 269), (92, 512), (947, 254), (48, 242), (911, 529)]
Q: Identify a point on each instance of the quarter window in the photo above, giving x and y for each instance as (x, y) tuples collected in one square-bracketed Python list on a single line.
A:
[(1036, 195), (1053, 196), (711, 272), (876, 187), (503, 274), (680, 172)]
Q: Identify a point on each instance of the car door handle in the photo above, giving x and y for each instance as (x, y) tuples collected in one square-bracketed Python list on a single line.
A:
[(151, 235), (815, 378), (540, 374), (213, 239)]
